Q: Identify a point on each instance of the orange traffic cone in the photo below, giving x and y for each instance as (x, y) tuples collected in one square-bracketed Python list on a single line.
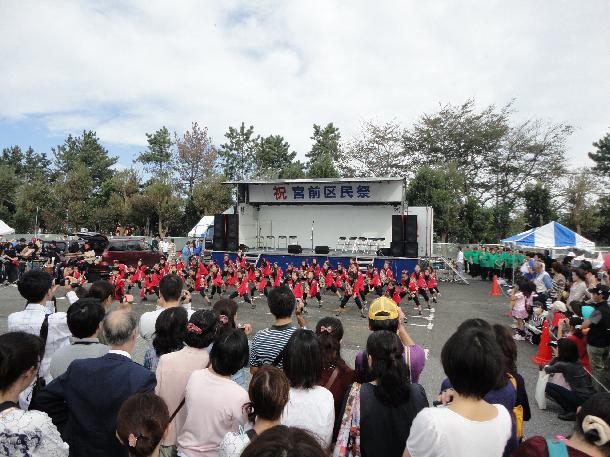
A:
[(495, 288), (544, 350)]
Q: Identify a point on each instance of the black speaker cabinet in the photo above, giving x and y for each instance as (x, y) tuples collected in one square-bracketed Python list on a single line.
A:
[(219, 241), (396, 248), (294, 249), (397, 227), (411, 249), (411, 228), (322, 249)]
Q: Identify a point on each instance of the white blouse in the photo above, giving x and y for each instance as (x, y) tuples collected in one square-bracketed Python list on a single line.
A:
[(29, 434), (313, 410)]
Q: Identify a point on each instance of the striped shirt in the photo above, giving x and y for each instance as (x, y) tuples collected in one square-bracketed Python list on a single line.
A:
[(268, 343)]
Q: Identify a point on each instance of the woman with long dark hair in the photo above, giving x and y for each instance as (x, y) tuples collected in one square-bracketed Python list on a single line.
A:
[(170, 329), (379, 413)]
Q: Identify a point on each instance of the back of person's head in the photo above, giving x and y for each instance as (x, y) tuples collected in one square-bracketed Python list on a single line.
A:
[(34, 285), (383, 315), (593, 421), (285, 442), (201, 329), (508, 346), (475, 323), (84, 317), (268, 391), (302, 359), (102, 290), (228, 308), (141, 423), (230, 352), (388, 367), (170, 329), (19, 352), (170, 287), (329, 331), (472, 360), (580, 273), (281, 302), (119, 327), (567, 351)]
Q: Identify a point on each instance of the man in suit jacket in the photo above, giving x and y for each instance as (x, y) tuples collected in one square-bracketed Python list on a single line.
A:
[(85, 400)]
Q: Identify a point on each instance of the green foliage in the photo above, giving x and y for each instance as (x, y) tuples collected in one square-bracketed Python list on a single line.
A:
[(294, 170), (273, 156), (603, 230), (238, 154), (580, 209), (211, 197), (601, 156), (538, 205), (158, 154), (85, 150), (325, 152), (440, 189)]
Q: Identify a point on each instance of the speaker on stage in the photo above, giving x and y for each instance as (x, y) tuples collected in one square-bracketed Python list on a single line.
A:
[(396, 248), (411, 228), (232, 225), (322, 249), (411, 249), (295, 249), (397, 227), (219, 241)]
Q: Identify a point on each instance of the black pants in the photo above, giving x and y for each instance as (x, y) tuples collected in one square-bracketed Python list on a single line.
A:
[(346, 298), (424, 294), (565, 398), (215, 289), (245, 297)]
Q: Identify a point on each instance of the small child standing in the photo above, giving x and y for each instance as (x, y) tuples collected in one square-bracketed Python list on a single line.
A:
[(521, 302)]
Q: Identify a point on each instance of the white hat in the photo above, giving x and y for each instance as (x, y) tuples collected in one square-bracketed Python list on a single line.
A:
[(559, 306), (570, 254)]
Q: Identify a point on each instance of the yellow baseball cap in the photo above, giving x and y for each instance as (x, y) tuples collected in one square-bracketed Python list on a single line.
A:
[(383, 309)]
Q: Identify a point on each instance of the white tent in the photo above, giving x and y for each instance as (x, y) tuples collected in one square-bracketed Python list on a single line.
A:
[(202, 226), (551, 235), (5, 229)]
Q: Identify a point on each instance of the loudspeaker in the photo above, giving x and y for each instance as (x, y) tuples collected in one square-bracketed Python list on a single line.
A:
[(396, 248), (232, 245), (397, 227), (322, 249), (294, 249), (411, 228), (220, 240), (411, 249)]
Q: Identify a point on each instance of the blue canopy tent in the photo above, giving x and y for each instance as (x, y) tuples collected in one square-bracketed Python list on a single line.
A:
[(550, 236)]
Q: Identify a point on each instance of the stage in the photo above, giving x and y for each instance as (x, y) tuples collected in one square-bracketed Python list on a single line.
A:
[(284, 258)]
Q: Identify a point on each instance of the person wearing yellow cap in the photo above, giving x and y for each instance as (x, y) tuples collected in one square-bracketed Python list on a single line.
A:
[(384, 314)]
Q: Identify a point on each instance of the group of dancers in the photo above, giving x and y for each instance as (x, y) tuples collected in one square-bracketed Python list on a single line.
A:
[(308, 281)]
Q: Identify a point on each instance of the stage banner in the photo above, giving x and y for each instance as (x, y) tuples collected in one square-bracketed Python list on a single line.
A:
[(327, 192)]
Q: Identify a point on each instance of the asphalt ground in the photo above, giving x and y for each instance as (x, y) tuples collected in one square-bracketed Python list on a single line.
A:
[(457, 303)]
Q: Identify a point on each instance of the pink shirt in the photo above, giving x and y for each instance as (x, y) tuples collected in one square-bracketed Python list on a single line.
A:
[(173, 372), (214, 406)]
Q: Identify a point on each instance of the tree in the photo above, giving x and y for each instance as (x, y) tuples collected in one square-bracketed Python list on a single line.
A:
[(273, 156), (195, 158), (211, 197), (538, 205), (325, 152), (295, 170), (238, 154), (88, 151), (376, 151), (601, 156), (165, 206), (73, 192), (603, 231), (38, 197), (158, 154), (580, 205), (440, 189)]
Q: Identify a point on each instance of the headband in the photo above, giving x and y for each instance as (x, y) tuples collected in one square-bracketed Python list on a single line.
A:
[(591, 423), (328, 330), (133, 439)]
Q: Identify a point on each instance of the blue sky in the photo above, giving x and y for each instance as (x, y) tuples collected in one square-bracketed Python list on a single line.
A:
[(123, 68)]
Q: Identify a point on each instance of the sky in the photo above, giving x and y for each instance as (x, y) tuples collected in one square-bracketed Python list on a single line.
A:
[(123, 68)]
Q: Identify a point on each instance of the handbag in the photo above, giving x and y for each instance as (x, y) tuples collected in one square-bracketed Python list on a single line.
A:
[(543, 378)]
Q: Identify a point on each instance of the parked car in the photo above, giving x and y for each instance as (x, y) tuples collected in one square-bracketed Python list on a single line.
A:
[(127, 250)]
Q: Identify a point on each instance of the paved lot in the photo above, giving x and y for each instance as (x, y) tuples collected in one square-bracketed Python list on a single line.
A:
[(458, 302)]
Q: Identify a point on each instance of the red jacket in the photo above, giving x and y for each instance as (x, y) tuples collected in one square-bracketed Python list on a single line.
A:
[(313, 288)]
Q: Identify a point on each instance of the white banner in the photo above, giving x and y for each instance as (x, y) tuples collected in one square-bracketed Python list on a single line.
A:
[(327, 192)]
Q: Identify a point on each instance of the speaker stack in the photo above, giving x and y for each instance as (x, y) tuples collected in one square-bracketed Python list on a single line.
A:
[(295, 249), (404, 236), (226, 232)]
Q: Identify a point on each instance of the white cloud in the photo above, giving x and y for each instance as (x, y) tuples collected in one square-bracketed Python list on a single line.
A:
[(125, 68)]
